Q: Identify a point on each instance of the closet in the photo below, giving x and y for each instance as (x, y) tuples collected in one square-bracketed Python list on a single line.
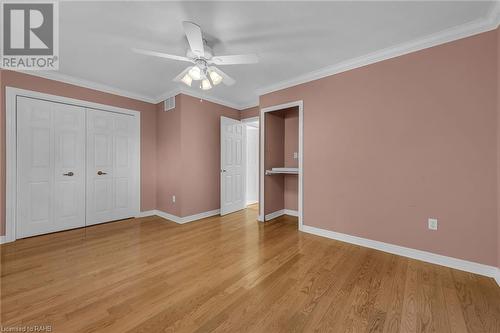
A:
[(281, 162), (76, 166)]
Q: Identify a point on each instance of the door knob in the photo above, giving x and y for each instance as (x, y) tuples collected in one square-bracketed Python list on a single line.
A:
[(100, 173), (223, 170), (68, 174)]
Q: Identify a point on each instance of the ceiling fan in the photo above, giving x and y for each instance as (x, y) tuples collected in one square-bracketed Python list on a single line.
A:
[(200, 54)]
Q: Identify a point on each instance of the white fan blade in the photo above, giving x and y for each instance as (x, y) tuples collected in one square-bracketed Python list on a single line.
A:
[(162, 55), (228, 81), (179, 77), (235, 59), (194, 37)]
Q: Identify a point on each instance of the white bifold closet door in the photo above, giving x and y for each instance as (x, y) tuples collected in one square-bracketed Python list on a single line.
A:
[(75, 166), (51, 167), (112, 163)]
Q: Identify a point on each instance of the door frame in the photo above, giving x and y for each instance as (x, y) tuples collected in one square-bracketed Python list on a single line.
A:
[(251, 120), (262, 128), (11, 95)]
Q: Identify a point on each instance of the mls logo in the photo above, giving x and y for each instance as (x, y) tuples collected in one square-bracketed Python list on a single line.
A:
[(30, 35)]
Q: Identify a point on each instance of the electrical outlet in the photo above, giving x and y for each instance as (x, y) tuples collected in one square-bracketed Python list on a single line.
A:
[(432, 223), (295, 155), (173, 198)]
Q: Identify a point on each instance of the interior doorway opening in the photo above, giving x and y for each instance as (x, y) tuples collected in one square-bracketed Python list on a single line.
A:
[(252, 161)]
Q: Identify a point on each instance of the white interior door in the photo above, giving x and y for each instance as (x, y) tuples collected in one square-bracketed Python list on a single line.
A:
[(233, 165), (51, 168), (112, 166)]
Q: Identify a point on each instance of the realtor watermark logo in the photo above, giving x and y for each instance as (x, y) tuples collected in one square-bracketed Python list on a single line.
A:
[(30, 36)]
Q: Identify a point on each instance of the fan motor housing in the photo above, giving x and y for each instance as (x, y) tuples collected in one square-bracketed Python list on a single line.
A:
[(208, 53)]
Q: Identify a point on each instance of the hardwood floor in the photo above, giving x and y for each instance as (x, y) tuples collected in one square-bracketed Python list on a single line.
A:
[(231, 274)]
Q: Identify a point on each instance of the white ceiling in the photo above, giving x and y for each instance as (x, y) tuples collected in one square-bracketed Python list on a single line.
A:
[(290, 38)]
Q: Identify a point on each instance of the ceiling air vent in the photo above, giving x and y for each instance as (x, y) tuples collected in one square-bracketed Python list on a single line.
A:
[(169, 104)]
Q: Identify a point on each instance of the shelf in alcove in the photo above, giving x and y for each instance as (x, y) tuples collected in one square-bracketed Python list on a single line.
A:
[(282, 171)]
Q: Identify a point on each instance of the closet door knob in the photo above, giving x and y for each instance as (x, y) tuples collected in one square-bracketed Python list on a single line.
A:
[(223, 170), (100, 173), (70, 174)]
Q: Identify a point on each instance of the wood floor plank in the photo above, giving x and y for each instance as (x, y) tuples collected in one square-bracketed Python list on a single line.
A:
[(231, 274)]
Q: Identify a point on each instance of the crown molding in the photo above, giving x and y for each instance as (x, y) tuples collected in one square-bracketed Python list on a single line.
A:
[(487, 23), (56, 76), (201, 95)]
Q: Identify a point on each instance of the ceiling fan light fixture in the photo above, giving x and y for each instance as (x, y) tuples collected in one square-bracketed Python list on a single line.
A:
[(195, 73), (215, 77), (205, 84), (187, 80)]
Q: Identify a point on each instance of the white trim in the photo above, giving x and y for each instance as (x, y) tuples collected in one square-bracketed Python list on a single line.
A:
[(490, 22), (203, 96), (249, 105), (64, 78), (497, 277), (281, 212), (252, 202), (250, 120), (300, 105), (146, 213), (57, 76), (178, 219), (275, 214), (432, 258), (11, 147), (291, 212), (199, 216)]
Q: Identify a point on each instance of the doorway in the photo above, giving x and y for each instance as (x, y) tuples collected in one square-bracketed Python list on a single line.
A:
[(252, 179), (274, 171)]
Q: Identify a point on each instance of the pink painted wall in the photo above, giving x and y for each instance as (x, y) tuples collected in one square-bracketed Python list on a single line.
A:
[(250, 112), (390, 144), (274, 147), (291, 145), (168, 129), (200, 151), (148, 127), (498, 146), (2, 157)]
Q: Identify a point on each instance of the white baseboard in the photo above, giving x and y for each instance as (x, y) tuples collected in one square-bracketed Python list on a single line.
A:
[(281, 212), (251, 202), (291, 212), (199, 216), (178, 219), (5, 239), (146, 213), (463, 265), (275, 214)]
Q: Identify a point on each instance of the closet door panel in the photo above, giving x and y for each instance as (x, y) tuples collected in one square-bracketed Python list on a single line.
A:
[(124, 152), (50, 142), (99, 167), (69, 176), (35, 151), (111, 141)]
